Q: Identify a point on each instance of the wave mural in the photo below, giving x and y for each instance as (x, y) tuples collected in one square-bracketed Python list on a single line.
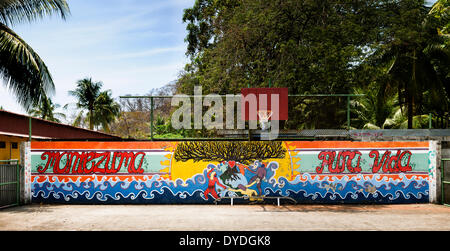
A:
[(215, 172)]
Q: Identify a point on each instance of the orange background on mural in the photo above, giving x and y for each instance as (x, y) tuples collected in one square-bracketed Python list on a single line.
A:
[(357, 144), (67, 145)]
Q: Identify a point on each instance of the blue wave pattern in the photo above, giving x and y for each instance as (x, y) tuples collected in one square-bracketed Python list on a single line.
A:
[(374, 189)]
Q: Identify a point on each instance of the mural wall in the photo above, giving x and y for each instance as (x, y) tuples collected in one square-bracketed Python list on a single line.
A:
[(208, 172)]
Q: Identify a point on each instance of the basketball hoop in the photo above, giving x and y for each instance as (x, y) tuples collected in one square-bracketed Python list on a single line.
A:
[(264, 116)]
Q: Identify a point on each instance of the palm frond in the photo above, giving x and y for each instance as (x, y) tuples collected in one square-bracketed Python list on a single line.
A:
[(371, 126), (437, 7), (19, 11), (86, 93), (106, 110), (100, 106), (22, 70), (79, 119)]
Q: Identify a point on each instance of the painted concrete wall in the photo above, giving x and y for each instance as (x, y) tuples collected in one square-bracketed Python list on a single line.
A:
[(203, 172)]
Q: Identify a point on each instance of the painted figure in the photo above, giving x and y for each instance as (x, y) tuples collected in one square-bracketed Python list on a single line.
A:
[(260, 175), (212, 181), (245, 190)]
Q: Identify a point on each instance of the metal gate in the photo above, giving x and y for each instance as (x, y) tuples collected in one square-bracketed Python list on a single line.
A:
[(445, 178), (9, 183)]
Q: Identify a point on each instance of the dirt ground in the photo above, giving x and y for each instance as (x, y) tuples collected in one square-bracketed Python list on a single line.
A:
[(226, 217)]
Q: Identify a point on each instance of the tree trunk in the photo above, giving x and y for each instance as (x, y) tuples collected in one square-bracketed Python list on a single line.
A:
[(410, 94), (91, 121), (410, 111)]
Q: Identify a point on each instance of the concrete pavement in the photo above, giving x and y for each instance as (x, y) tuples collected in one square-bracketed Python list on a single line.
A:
[(226, 217)]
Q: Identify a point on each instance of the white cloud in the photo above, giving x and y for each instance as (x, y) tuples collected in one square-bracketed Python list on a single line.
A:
[(144, 53)]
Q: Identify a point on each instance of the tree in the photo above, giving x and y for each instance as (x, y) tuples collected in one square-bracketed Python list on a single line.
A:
[(309, 46), (401, 121), (86, 93), (131, 124), (305, 45), (440, 12), (322, 47), (47, 110), (100, 106), (376, 111), (439, 16), (134, 119), (374, 108), (22, 70), (416, 59), (105, 110)]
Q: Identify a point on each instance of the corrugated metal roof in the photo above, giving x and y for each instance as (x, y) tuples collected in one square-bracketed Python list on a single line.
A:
[(13, 123)]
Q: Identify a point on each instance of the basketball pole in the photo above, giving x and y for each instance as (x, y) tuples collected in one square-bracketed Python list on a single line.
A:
[(348, 112), (151, 118), (249, 130)]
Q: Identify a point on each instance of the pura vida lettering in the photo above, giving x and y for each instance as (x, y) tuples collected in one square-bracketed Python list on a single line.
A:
[(339, 161), (391, 164), (71, 162)]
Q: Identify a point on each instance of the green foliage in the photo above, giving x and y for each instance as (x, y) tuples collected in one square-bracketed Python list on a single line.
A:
[(45, 109), (105, 110), (374, 108), (308, 46), (395, 50), (416, 60), (440, 14)]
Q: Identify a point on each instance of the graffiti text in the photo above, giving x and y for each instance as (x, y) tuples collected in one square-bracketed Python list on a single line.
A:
[(391, 164), (91, 162), (337, 164)]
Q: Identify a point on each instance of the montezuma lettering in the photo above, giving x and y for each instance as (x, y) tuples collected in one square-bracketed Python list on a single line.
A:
[(71, 162), (341, 162)]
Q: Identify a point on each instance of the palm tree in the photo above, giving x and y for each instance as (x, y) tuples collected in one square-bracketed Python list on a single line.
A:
[(46, 110), (86, 93), (414, 55), (100, 106), (441, 13), (377, 111), (22, 70), (106, 110), (374, 108), (399, 120)]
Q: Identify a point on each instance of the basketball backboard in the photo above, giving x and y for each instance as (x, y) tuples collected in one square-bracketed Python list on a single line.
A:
[(256, 102)]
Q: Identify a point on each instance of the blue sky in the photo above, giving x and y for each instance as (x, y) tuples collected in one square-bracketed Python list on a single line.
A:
[(131, 46)]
